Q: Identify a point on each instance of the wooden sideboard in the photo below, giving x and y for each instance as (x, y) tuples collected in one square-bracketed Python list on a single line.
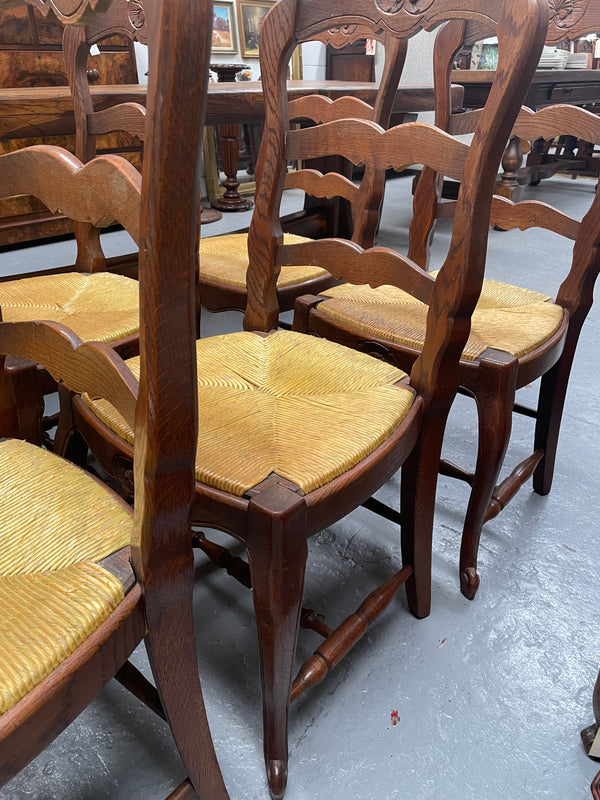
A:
[(576, 87)]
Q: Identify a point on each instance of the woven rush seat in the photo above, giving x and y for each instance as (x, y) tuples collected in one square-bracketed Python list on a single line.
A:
[(224, 259), (102, 307), (56, 523), (262, 399), (506, 318)]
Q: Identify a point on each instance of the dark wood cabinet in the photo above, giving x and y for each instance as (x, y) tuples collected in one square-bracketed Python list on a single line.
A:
[(349, 63)]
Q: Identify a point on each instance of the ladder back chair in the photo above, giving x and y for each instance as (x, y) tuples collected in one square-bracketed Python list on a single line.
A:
[(567, 23), (96, 304), (225, 257), (518, 336), (83, 579), (127, 19), (296, 431)]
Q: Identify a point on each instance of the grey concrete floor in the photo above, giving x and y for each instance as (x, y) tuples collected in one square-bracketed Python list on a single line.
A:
[(490, 694)]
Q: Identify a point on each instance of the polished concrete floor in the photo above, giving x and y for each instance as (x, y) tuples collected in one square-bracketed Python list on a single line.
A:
[(489, 695)]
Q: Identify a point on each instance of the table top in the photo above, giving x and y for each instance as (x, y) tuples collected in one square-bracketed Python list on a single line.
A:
[(48, 110), (554, 76)]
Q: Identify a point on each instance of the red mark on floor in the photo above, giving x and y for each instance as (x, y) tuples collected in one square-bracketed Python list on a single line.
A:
[(395, 717)]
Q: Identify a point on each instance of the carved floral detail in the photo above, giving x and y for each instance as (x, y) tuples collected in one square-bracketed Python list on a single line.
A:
[(565, 13), (417, 6), (136, 14), (410, 6), (69, 12), (389, 6), (342, 30)]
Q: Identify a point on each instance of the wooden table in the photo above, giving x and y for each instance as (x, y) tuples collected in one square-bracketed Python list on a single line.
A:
[(44, 112), (48, 110), (576, 87)]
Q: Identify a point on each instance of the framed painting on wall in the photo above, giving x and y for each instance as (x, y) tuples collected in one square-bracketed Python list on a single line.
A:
[(223, 32), (250, 16)]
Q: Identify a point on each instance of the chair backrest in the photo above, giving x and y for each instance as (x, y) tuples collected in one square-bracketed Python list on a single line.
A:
[(451, 298), (166, 413), (124, 18), (363, 208), (128, 19), (567, 22)]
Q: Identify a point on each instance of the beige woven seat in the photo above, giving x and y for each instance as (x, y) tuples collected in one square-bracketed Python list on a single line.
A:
[(99, 307), (224, 259), (260, 402), (506, 318), (56, 524)]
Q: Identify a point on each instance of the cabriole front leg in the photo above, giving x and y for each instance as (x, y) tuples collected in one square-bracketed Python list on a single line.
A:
[(277, 552), (495, 396)]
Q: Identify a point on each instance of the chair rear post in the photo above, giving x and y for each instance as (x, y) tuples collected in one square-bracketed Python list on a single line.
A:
[(464, 267), (165, 456)]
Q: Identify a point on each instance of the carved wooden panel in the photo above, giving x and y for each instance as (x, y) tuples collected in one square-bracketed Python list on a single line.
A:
[(404, 17), (570, 19), (69, 12)]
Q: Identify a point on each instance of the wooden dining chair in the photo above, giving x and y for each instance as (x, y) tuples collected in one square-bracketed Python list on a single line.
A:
[(517, 335), (225, 257), (83, 579), (96, 304), (567, 22), (125, 19), (296, 431)]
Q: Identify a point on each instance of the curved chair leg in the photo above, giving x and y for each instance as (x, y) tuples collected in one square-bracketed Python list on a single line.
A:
[(417, 504), (171, 647), (277, 552), (495, 398), (551, 403)]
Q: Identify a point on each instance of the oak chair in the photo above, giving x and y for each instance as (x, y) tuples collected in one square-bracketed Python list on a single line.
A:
[(96, 304), (126, 19), (567, 22), (83, 579), (297, 431), (566, 25), (518, 335), (225, 257)]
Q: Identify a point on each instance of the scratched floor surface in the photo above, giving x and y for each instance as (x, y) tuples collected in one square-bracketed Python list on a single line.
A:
[(483, 700)]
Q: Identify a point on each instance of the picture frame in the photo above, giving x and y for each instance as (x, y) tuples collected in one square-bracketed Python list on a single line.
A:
[(250, 15), (224, 34)]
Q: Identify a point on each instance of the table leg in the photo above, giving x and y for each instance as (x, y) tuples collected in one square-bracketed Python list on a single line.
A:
[(208, 215), (512, 161), (230, 148)]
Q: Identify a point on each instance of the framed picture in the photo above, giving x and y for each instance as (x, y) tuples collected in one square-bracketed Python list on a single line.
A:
[(223, 33), (250, 16)]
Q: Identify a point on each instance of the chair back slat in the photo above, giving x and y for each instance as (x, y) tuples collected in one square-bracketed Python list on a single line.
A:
[(377, 266), (532, 214), (361, 141)]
